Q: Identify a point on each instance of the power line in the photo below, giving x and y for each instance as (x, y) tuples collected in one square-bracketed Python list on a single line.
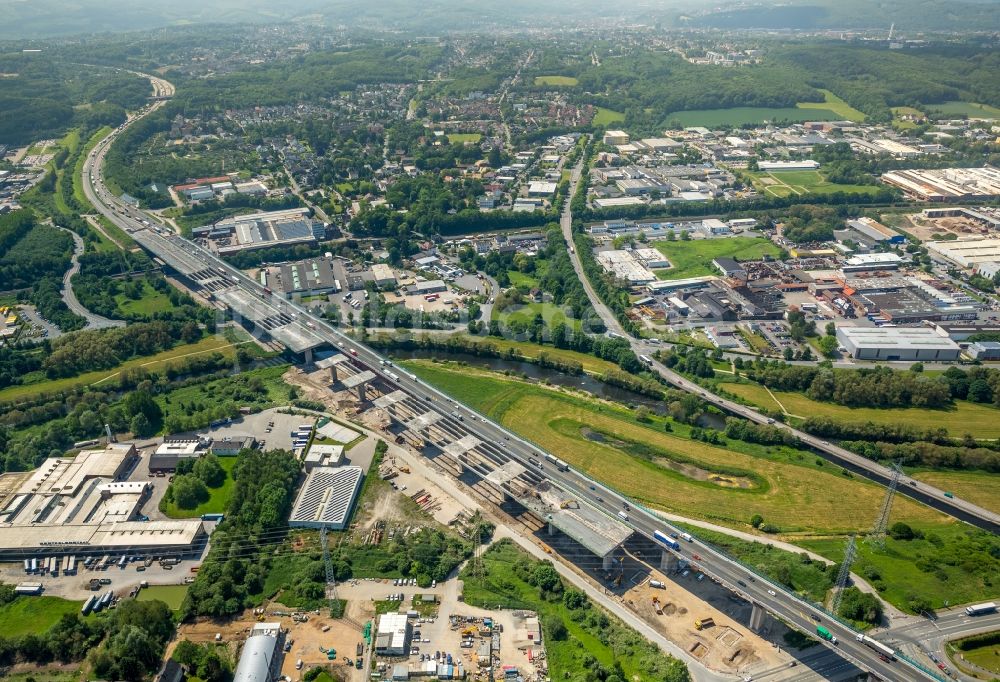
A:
[(877, 536), (843, 576)]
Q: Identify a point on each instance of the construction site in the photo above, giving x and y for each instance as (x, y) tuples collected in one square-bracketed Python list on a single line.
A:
[(457, 474)]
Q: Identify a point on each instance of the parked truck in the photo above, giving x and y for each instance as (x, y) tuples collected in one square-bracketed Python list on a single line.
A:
[(703, 623)]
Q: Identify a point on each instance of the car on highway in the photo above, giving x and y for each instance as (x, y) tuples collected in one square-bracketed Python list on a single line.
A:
[(772, 593)]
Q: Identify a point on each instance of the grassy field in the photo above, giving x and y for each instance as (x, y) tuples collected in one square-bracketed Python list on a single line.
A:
[(694, 258), (970, 109), (522, 279), (798, 183), (566, 656), (947, 566), (524, 314), (210, 344), (836, 105), (986, 656), (979, 420), (603, 117), (217, 501), (667, 470), (738, 116), (555, 80), (34, 615), (152, 301), (171, 595), (899, 112), (275, 392), (462, 138), (979, 487)]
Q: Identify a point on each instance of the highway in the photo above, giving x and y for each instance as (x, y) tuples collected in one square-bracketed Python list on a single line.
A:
[(187, 257), (922, 492)]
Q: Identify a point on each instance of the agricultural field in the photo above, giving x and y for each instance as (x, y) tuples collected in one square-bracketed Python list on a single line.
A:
[(981, 421), (667, 470), (171, 595), (970, 109), (462, 138), (604, 117), (525, 314), (834, 104), (799, 183), (217, 502), (34, 615), (693, 258), (211, 344), (555, 80)]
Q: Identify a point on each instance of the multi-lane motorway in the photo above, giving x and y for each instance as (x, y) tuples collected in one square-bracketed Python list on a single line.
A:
[(178, 252)]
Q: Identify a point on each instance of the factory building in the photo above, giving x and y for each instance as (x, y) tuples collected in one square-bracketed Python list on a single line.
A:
[(311, 277), (897, 343), (984, 350), (947, 184), (327, 498), (82, 503), (260, 660), (967, 253), (393, 635)]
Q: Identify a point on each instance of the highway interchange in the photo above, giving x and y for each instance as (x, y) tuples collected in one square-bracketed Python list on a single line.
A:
[(757, 589)]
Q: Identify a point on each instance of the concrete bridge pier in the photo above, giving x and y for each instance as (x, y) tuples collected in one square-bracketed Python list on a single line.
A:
[(607, 562), (758, 618), (668, 561)]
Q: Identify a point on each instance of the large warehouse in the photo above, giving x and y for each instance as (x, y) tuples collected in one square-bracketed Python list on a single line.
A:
[(968, 253), (80, 505), (326, 498), (260, 660), (897, 343)]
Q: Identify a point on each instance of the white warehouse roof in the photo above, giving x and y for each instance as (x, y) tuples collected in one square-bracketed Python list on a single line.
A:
[(326, 498)]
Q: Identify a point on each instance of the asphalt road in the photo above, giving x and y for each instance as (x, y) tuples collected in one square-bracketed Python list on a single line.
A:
[(94, 321), (774, 598)]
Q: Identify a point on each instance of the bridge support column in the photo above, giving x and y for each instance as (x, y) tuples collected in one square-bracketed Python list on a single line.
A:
[(361, 392), (667, 561), (333, 374), (758, 618), (607, 562), (309, 356), (552, 529)]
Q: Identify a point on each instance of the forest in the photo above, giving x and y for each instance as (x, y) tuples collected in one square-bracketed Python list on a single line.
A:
[(47, 97), (873, 79)]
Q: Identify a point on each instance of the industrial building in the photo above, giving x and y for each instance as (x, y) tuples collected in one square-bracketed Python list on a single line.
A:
[(260, 660), (947, 184), (872, 261), (897, 343), (261, 230), (984, 350), (312, 277), (169, 453), (81, 504), (541, 188), (393, 635), (967, 253), (624, 266), (323, 455), (874, 232), (787, 165), (615, 137), (327, 498), (383, 276)]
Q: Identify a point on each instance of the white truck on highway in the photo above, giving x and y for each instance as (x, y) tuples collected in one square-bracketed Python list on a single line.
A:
[(981, 609)]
